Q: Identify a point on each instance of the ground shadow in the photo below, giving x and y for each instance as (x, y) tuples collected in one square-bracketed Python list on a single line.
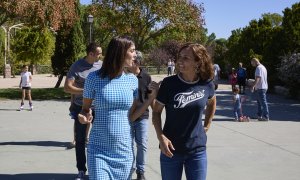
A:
[(38, 176), (38, 143), (281, 109), (3, 109)]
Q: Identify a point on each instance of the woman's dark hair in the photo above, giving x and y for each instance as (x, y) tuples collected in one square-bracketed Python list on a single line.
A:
[(115, 56), (205, 69)]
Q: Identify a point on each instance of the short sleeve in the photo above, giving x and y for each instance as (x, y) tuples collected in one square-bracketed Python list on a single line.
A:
[(71, 74), (211, 89), (89, 86), (162, 93), (258, 72), (135, 87)]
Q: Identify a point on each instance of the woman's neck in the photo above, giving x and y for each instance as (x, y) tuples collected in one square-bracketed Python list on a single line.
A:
[(189, 77)]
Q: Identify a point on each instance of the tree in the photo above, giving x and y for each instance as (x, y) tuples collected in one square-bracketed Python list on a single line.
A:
[(289, 73), (52, 13), (33, 45), (146, 20), (291, 29), (69, 47)]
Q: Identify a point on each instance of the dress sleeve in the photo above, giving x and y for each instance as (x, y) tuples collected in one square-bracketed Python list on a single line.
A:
[(89, 86)]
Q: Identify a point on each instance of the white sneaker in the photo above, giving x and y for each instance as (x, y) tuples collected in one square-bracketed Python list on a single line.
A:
[(31, 108), (21, 108)]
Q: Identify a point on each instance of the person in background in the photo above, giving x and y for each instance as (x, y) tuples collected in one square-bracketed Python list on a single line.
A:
[(232, 79), (25, 85), (169, 64), (74, 84), (115, 94), (184, 96), (260, 87), (173, 67), (217, 72), (140, 125), (241, 78), (237, 103)]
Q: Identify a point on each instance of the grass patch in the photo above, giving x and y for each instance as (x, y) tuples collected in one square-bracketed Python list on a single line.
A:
[(36, 93)]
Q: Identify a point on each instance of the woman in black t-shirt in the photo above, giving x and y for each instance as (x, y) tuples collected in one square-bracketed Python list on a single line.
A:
[(184, 96)]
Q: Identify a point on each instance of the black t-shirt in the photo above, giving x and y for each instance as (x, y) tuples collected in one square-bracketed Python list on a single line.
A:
[(184, 104), (144, 80)]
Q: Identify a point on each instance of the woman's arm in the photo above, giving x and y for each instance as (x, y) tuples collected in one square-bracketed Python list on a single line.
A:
[(164, 142), (135, 112), (210, 112), (85, 116)]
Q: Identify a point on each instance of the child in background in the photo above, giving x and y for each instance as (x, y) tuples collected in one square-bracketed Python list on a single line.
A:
[(233, 79), (25, 85), (237, 110)]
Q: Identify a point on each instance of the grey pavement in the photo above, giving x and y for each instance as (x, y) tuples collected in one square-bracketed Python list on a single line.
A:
[(34, 145)]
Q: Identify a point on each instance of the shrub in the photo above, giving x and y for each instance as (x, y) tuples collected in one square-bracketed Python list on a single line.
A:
[(289, 73)]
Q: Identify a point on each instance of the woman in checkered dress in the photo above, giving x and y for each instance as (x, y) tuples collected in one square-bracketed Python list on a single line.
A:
[(110, 149)]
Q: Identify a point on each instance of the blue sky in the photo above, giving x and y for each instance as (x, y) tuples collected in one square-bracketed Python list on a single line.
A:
[(223, 16)]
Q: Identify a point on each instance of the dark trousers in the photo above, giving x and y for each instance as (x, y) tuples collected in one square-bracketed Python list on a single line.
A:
[(80, 136)]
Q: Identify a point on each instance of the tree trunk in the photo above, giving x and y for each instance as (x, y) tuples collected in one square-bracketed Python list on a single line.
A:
[(60, 78)]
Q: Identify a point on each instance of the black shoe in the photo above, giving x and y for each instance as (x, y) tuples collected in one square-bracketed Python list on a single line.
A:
[(140, 176), (80, 175)]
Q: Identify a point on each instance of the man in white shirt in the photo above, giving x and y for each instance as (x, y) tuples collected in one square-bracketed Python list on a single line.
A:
[(260, 87)]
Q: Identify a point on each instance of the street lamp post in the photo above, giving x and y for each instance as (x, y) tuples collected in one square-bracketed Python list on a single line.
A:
[(90, 20), (7, 68)]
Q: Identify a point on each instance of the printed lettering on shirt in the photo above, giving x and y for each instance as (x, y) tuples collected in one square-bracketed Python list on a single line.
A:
[(187, 97)]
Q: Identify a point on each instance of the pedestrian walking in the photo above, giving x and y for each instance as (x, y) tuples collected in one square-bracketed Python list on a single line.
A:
[(232, 79), (182, 140), (217, 72), (140, 125), (74, 84), (115, 94)]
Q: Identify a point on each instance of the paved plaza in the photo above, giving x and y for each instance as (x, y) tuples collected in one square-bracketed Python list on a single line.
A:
[(34, 145)]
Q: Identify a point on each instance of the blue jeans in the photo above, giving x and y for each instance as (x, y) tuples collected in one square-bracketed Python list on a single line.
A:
[(195, 166), (140, 135), (237, 111), (262, 108)]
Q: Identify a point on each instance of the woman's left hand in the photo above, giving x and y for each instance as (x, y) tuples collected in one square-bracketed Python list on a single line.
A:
[(85, 117), (153, 87)]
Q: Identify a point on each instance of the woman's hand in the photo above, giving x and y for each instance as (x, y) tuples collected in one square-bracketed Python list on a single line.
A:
[(85, 117), (166, 146), (153, 89)]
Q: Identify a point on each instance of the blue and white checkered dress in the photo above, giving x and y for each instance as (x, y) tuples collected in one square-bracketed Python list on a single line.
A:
[(110, 149)]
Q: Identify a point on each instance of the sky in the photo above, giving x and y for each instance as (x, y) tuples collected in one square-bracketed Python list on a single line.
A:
[(223, 16)]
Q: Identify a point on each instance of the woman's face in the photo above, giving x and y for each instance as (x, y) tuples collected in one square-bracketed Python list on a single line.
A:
[(130, 56), (186, 63)]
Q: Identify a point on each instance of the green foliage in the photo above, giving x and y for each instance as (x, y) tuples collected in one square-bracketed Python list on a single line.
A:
[(289, 73), (148, 21), (33, 46), (69, 46), (291, 29)]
